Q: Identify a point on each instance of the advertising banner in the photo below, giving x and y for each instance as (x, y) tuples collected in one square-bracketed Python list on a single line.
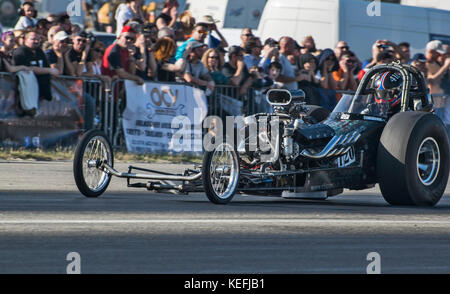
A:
[(57, 122), (163, 118)]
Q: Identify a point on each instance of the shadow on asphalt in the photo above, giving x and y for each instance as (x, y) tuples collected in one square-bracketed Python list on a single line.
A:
[(146, 202)]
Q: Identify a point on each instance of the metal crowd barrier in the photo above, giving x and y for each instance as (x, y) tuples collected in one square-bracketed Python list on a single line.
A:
[(99, 91)]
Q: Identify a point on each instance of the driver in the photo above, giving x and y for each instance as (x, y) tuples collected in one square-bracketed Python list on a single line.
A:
[(388, 94), (389, 88)]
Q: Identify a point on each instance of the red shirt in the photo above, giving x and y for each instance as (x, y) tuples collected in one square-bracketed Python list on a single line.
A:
[(114, 58)]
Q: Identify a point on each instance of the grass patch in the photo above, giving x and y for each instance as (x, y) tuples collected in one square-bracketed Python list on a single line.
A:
[(64, 154)]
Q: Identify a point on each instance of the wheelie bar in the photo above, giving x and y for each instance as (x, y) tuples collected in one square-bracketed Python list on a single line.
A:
[(118, 174)]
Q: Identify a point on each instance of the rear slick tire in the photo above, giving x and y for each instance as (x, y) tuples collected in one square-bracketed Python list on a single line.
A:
[(413, 159)]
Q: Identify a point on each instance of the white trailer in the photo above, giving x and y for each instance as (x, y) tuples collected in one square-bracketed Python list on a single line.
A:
[(358, 22)]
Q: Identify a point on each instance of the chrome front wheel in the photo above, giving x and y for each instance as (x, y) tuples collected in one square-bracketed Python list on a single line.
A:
[(221, 174), (92, 152)]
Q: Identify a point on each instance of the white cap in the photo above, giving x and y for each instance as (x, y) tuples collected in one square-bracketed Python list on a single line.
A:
[(207, 19), (436, 45), (60, 36)]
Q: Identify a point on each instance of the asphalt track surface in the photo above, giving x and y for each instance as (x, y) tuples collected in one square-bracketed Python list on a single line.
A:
[(43, 217)]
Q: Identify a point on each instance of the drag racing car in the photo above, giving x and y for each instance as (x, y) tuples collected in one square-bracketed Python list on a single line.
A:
[(386, 134)]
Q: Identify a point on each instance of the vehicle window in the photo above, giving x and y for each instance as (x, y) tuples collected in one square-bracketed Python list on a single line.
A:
[(244, 14)]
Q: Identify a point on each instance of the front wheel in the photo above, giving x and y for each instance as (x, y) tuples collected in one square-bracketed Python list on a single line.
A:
[(221, 174), (92, 151)]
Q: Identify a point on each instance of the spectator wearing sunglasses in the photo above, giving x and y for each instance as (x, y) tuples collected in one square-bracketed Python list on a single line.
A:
[(246, 35), (341, 47), (76, 57), (116, 61), (60, 46), (214, 64), (199, 34)]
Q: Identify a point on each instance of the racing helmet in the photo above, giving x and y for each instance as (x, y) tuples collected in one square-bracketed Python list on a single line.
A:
[(388, 87)]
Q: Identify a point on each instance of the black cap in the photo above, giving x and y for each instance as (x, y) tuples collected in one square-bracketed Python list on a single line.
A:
[(235, 50)]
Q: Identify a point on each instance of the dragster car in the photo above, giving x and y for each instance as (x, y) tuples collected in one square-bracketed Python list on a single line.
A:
[(386, 134)]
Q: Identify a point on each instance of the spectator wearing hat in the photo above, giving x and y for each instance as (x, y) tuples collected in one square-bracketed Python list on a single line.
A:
[(196, 73), (199, 35), (405, 49), (116, 60), (27, 18), (327, 65), (419, 61), (56, 55), (76, 57), (166, 32), (213, 42), (52, 32), (436, 71)]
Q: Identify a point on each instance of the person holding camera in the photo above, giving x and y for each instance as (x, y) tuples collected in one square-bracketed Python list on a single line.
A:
[(344, 77), (27, 16), (143, 57), (382, 46)]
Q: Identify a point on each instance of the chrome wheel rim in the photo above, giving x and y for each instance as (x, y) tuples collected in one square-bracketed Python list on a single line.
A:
[(224, 171), (428, 161), (96, 152)]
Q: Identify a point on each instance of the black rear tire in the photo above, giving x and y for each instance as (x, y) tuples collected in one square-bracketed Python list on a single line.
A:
[(82, 173), (413, 159)]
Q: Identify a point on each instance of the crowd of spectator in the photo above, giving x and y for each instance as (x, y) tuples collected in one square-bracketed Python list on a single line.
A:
[(172, 47)]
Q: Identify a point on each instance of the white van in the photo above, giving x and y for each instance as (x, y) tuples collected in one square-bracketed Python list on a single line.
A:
[(329, 21)]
